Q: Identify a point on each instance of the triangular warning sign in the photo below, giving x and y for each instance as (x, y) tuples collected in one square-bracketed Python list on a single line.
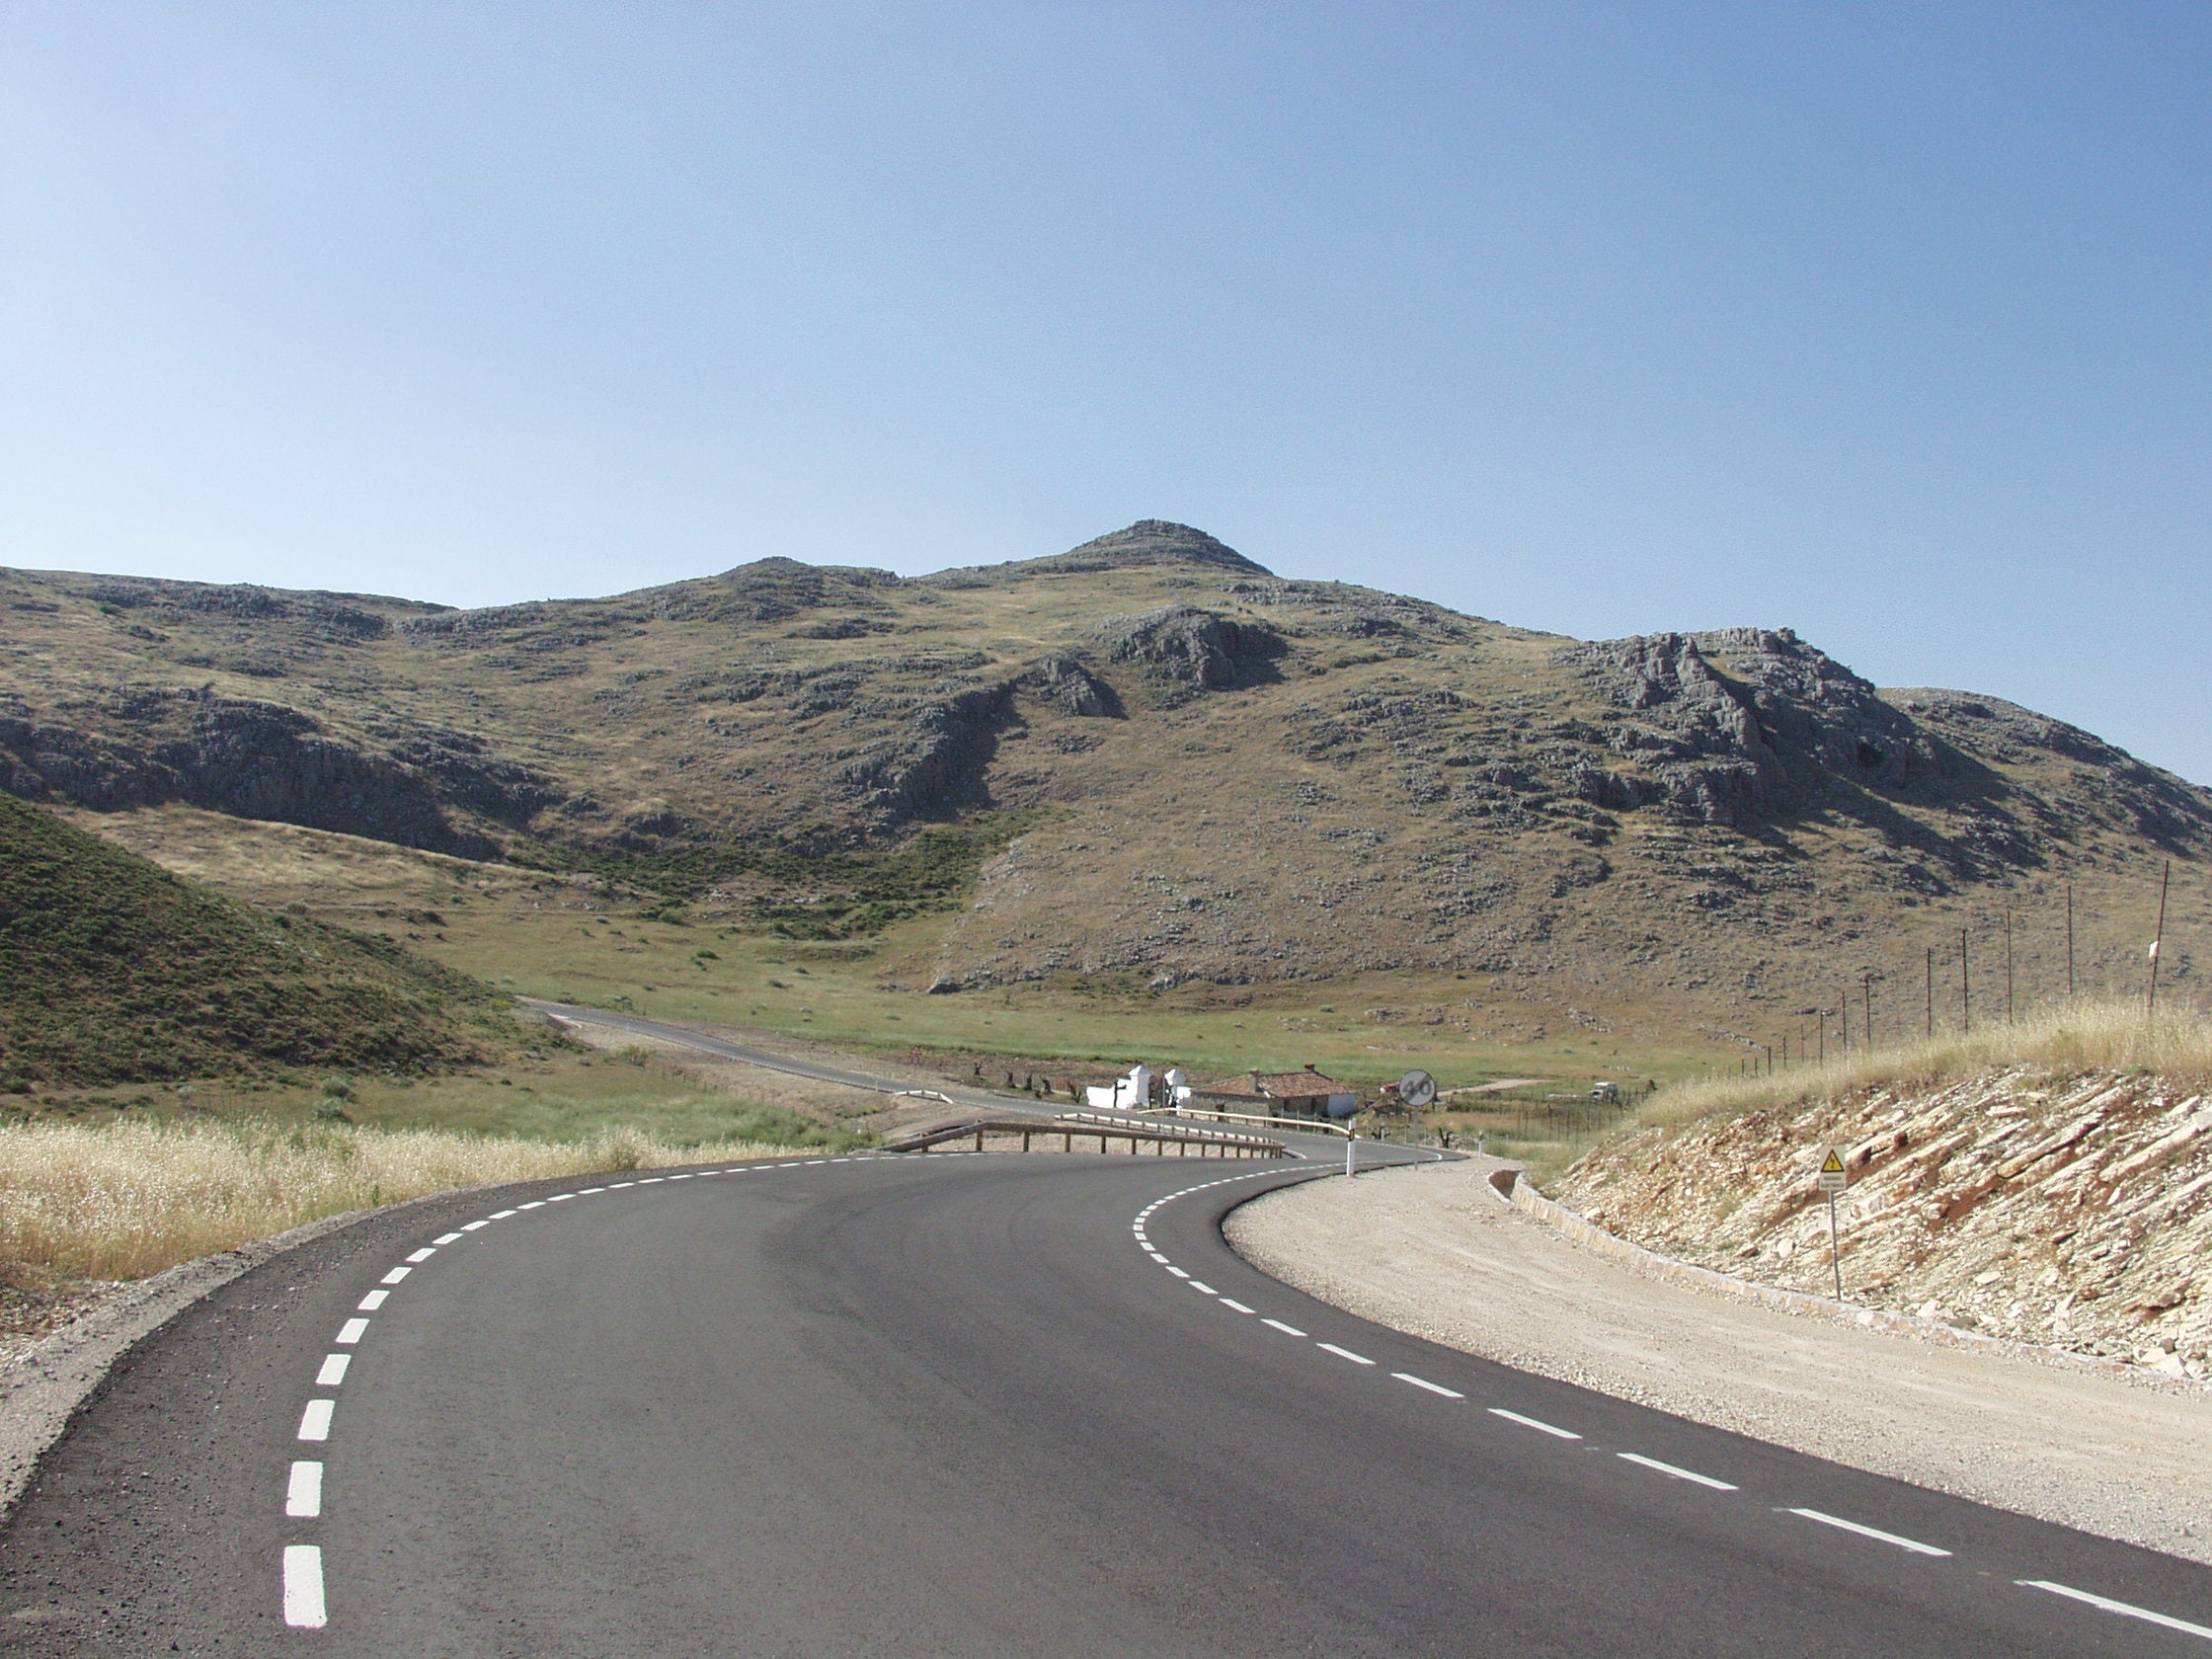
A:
[(1833, 1165)]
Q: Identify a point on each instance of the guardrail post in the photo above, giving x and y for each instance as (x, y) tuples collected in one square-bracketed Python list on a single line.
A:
[(1025, 1140), (979, 1137)]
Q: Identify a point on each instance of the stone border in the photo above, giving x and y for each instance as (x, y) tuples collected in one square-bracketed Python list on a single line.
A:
[(1510, 1188)]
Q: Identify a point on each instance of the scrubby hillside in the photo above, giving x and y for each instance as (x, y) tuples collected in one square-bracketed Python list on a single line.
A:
[(114, 970), (1146, 763), (2051, 1185)]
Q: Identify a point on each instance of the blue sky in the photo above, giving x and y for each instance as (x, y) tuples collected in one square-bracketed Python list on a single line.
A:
[(1884, 322)]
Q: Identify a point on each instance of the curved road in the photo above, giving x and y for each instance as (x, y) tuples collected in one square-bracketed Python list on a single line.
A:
[(951, 1405)]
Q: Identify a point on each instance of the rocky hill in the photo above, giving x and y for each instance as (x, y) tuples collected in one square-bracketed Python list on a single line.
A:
[(113, 970), (2061, 1207), (1148, 762)]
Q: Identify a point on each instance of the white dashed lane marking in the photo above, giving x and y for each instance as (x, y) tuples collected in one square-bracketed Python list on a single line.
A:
[(351, 1331), (1343, 1353), (423, 1254), (1536, 1423), (334, 1370), (304, 1587), (1875, 1533), (1424, 1383), (446, 1238), (314, 1422), (370, 1303), (396, 1275), (303, 1492), (1639, 1458), (2125, 1610), (1286, 1330)]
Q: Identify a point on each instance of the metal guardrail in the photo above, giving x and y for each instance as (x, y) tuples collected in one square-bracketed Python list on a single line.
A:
[(1069, 1132)]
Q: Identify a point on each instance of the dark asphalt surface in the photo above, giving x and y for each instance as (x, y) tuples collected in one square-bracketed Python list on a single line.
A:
[(951, 1405)]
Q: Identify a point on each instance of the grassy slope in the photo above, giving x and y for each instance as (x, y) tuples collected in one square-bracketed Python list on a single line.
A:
[(111, 969)]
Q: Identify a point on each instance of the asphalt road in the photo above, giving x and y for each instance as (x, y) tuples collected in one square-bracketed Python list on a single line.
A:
[(951, 1405), (990, 1100)]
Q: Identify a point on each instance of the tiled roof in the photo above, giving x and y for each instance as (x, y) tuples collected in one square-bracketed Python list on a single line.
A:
[(1292, 1085)]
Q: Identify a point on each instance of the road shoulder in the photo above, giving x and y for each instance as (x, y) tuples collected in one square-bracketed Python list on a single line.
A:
[(1431, 1250)]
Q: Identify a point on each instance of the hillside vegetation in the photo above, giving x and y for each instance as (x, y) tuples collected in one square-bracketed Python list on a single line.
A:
[(1148, 768), (2050, 1183), (114, 970)]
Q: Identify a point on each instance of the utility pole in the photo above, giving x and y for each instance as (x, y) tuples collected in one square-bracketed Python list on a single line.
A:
[(1932, 992), (1965, 994), (1867, 1040), (2008, 965), (2166, 875), (2070, 942)]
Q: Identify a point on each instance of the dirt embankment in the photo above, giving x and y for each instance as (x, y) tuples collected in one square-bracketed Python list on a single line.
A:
[(2073, 1212)]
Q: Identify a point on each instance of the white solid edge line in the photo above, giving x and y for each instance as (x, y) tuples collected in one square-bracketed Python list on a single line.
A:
[(1234, 1306), (1343, 1353), (1679, 1474), (423, 1254), (1875, 1533), (314, 1422), (395, 1276), (304, 1587), (370, 1303), (352, 1331), (2107, 1604), (446, 1238), (1424, 1383), (303, 1492), (1533, 1423), (1286, 1330), (334, 1370)]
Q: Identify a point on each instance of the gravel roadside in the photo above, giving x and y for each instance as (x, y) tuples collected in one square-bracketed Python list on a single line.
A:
[(1433, 1251)]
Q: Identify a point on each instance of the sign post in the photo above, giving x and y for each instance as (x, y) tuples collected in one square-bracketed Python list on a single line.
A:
[(1833, 1180)]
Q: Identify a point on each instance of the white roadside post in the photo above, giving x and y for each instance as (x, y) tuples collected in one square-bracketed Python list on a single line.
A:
[(1832, 1182)]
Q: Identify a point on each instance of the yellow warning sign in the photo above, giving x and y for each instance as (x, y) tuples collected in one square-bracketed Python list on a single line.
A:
[(1831, 1179), (1835, 1163)]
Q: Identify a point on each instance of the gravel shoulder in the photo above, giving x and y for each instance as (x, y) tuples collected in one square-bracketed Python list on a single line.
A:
[(1433, 1251)]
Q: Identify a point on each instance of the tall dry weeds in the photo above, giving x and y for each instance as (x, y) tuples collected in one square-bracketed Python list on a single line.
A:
[(129, 1200), (2105, 1036)]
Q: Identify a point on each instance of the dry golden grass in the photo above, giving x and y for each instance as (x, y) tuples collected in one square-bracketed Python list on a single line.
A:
[(2111, 1036), (128, 1199)]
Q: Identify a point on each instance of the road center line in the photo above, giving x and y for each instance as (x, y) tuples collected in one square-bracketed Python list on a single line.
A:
[(560, 1197), (396, 1275), (1640, 1459), (1178, 1272), (446, 1238), (473, 1226), (370, 1303), (314, 1422), (1875, 1533), (423, 1254), (2124, 1609), (303, 1492), (304, 1587), (1234, 1306), (1424, 1383), (334, 1370), (1204, 1289), (1286, 1330), (351, 1331), (1343, 1353), (500, 1214), (534, 1204), (1536, 1423)]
